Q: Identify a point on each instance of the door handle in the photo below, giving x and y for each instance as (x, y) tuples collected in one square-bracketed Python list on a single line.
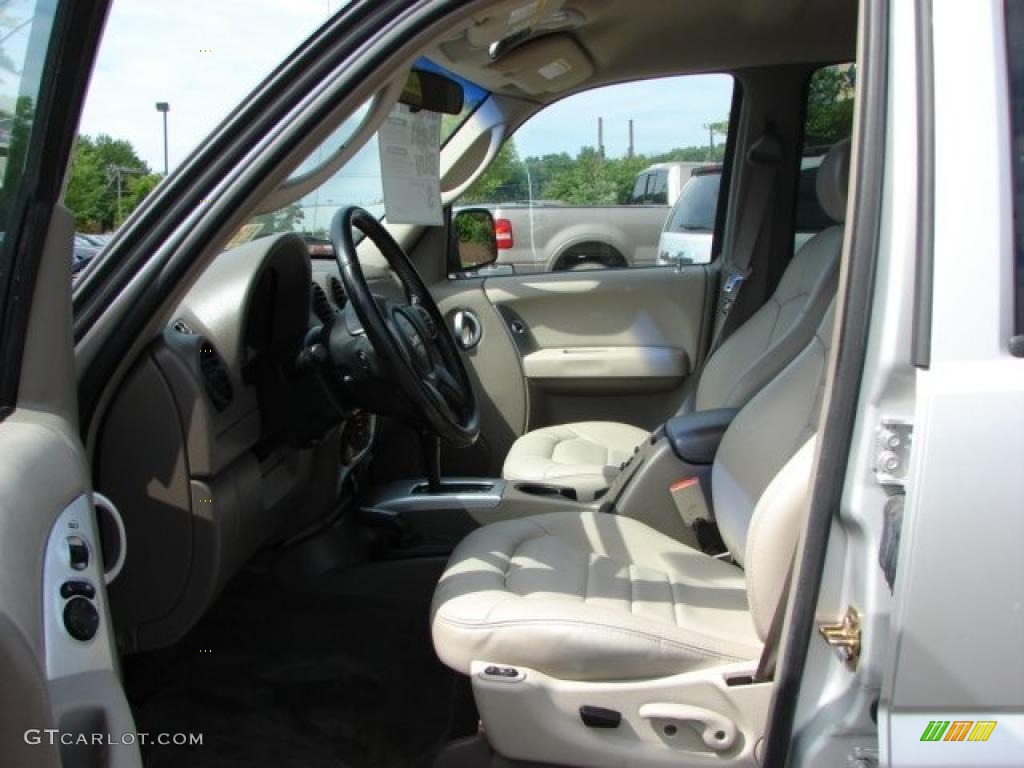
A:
[(466, 328), (716, 731)]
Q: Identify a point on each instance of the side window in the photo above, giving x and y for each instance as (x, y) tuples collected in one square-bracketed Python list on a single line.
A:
[(589, 181), (639, 190), (829, 120), (659, 191)]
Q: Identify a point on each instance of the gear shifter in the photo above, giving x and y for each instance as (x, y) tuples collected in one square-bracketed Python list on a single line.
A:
[(430, 450)]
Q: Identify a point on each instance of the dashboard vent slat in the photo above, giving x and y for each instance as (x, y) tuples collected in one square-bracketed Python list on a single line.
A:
[(338, 292), (321, 306), (215, 376)]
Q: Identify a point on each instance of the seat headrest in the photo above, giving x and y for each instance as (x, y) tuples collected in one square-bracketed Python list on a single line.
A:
[(834, 180)]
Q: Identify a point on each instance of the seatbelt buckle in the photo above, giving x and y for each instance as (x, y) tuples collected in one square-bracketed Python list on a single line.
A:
[(734, 280), (688, 497)]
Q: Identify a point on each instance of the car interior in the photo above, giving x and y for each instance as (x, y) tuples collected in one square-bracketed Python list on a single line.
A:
[(354, 535)]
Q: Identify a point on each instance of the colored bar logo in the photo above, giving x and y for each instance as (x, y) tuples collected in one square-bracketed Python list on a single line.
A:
[(958, 730)]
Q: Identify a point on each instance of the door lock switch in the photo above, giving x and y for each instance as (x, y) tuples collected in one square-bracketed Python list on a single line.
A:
[(77, 588)]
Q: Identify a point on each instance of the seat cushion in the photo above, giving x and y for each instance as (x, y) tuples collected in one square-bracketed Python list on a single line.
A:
[(588, 596), (585, 456)]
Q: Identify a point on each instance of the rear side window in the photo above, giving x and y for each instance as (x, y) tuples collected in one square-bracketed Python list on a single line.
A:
[(1015, 55), (829, 119), (695, 211), (659, 191)]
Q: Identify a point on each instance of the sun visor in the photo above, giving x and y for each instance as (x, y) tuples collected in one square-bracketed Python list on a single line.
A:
[(547, 65)]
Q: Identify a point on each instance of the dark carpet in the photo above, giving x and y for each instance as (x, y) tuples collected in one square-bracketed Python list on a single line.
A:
[(273, 677)]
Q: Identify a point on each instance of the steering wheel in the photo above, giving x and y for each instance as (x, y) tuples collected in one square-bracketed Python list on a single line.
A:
[(411, 340)]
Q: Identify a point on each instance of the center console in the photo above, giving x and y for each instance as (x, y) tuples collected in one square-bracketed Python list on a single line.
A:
[(664, 484)]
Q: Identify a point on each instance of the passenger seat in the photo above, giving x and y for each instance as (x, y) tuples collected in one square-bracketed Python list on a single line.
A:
[(585, 456)]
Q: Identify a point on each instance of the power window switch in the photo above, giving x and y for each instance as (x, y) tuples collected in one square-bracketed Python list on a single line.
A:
[(78, 553)]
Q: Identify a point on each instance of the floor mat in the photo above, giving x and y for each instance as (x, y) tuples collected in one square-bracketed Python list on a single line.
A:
[(273, 677)]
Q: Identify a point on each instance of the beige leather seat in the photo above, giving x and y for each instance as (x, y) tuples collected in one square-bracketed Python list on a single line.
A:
[(597, 596), (586, 456)]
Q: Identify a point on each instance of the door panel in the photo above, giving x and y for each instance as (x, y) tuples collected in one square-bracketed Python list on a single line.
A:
[(496, 368), (615, 344), (52, 585), (575, 346)]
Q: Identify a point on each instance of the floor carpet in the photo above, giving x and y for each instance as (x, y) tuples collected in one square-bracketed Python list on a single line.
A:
[(274, 677)]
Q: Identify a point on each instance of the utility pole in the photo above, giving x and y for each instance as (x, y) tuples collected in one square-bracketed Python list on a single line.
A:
[(630, 152), (600, 136), (711, 140), (116, 174), (163, 107)]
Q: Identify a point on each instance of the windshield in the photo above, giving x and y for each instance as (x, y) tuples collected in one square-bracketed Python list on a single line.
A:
[(695, 211), (358, 182)]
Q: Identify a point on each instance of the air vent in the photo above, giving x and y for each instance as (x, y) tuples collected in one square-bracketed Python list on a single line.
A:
[(182, 327), (338, 292), (215, 374), (321, 306)]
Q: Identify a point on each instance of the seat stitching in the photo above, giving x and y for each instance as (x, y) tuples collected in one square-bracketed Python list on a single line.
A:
[(513, 623)]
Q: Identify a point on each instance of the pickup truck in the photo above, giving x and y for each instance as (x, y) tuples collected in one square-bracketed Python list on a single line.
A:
[(550, 236)]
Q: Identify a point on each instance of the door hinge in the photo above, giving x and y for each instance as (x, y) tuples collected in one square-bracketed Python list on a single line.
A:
[(844, 636), (892, 452)]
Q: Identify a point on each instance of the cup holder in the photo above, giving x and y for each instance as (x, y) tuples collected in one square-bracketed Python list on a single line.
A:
[(542, 489)]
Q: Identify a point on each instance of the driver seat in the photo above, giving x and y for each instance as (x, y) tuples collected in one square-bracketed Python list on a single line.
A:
[(560, 611)]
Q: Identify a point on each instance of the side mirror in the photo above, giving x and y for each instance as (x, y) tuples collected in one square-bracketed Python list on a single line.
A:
[(475, 240)]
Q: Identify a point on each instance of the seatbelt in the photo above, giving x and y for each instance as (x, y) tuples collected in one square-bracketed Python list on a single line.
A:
[(764, 157), (770, 652)]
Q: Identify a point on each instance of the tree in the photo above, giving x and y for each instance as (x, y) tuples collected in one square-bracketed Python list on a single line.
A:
[(588, 182), (503, 181), (98, 164), (830, 106)]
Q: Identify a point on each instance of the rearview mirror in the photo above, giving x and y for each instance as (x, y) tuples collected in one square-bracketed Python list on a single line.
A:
[(433, 92), (475, 241)]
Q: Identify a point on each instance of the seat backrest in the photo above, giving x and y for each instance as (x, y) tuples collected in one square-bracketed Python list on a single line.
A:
[(761, 476), (756, 351)]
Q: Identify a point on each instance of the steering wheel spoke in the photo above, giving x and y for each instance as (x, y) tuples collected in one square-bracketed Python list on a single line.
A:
[(412, 338)]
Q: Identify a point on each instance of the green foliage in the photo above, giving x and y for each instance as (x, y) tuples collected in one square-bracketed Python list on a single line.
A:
[(589, 182), (92, 192), (502, 182), (830, 106)]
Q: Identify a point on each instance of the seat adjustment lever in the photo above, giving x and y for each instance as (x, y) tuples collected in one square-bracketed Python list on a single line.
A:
[(718, 732)]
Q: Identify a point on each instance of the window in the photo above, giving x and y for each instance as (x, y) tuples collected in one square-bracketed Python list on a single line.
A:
[(138, 123), (829, 119), (1015, 55), (590, 180), (24, 34), (659, 189), (357, 182)]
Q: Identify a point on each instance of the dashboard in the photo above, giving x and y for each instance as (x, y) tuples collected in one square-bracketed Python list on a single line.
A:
[(199, 449)]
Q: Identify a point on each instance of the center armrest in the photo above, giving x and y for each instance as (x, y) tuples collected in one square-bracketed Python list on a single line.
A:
[(695, 436)]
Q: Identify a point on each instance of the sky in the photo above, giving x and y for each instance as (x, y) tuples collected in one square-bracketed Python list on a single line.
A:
[(204, 56), (200, 56), (666, 113)]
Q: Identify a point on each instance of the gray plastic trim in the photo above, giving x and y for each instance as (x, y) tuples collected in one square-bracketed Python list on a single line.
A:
[(401, 496)]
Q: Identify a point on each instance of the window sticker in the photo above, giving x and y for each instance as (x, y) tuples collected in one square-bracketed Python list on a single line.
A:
[(410, 163)]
